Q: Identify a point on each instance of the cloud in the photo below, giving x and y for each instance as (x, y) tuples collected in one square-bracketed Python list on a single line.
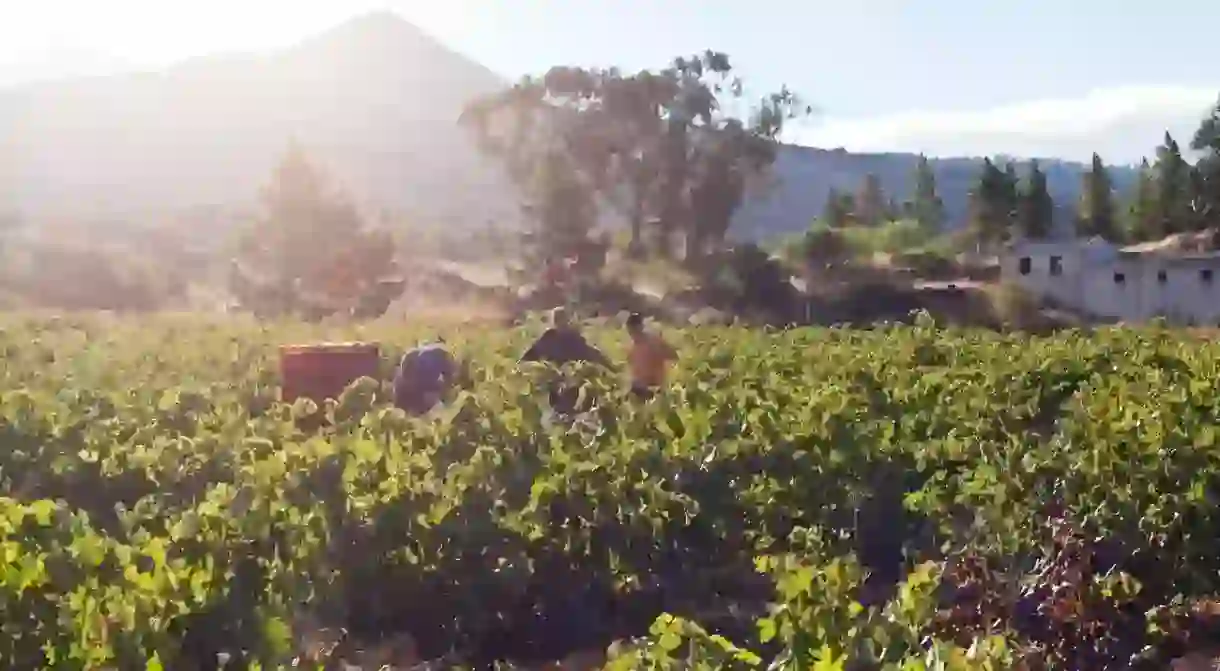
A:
[(1122, 124)]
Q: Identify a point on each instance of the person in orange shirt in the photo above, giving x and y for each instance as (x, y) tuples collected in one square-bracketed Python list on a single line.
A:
[(648, 358)]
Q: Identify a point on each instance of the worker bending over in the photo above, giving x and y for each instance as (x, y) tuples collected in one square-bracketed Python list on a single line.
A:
[(563, 343), (424, 375)]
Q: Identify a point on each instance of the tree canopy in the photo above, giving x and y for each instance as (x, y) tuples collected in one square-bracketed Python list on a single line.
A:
[(310, 251), (660, 146)]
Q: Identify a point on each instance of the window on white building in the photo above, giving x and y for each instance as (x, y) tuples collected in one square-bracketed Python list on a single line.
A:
[(1056, 265), (1162, 276), (1206, 275), (1024, 265), (1119, 278)]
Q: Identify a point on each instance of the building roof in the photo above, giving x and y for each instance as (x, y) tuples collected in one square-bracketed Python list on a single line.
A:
[(1198, 247), (1067, 243), (1201, 244), (1172, 259)]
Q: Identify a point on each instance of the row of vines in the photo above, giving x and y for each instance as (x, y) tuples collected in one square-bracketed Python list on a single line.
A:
[(901, 498)]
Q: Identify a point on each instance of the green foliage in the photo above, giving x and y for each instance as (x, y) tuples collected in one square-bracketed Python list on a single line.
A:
[(1174, 185), (808, 498), (871, 205), (565, 210), (1142, 214), (1035, 208), (1207, 170), (928, 208), (821, 246), (79, 276), (661, 146), (310, 252), (889, 238), (746, 280), (993, 204), (1173, 196), (839, 210), (1096, 214)]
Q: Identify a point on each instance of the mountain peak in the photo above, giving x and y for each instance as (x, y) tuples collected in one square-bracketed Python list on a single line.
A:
[(377, 27)]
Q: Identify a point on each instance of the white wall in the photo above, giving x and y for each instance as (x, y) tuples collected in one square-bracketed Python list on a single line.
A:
[(1104, 296), (1183, 297), (1087, 281), (1064, 287)]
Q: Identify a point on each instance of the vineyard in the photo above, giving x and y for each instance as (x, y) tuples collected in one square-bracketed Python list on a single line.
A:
[(903, 498)]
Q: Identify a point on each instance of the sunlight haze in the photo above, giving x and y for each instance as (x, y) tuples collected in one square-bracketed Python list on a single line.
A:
[(1039, 79)]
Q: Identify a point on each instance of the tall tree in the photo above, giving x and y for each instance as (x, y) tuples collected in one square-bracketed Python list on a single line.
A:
[(1012, 185), (870, 201), (1173, 190), (310, 250), (837, 211), (564, 208), (730, 157), (1142, 216), (992, 205), (1206, 141), (1096, 214), (660, 142), (928, 208), (1035, 208), (893, 209), (550, 134), (822, 246)]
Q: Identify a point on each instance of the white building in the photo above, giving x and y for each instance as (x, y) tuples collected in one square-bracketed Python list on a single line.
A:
[(1132, 284)]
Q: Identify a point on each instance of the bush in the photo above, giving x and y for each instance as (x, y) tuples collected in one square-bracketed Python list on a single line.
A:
[(1015, 308), (928, 264), (747, 281), (889, 238), (822, 245), (79, 277)]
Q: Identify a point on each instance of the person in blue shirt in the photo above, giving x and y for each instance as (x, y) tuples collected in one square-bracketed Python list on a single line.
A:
[(424, 375)]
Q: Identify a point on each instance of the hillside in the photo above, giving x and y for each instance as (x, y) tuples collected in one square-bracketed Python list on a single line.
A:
[(375, 100), (807, 174)]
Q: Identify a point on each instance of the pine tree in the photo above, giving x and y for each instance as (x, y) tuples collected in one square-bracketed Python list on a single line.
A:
[(871, 202), (1207, 169), (893, 209), (1142, 215), (992, 204), (1035, 208), (293, 272), (1173, 190), (1012, 198), (847, 203), (927, 206), (564, 208), (1011, 190), (1096, 213), (1201, 183), (836, 210)]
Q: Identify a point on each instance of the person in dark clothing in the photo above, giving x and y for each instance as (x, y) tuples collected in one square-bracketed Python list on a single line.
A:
[(424, 375), (562, 343)]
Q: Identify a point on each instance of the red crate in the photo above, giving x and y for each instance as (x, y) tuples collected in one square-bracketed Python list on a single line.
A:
[(324, 370)]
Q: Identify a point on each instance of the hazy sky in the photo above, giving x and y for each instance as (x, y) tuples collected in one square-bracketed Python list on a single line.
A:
[(946, 77)]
